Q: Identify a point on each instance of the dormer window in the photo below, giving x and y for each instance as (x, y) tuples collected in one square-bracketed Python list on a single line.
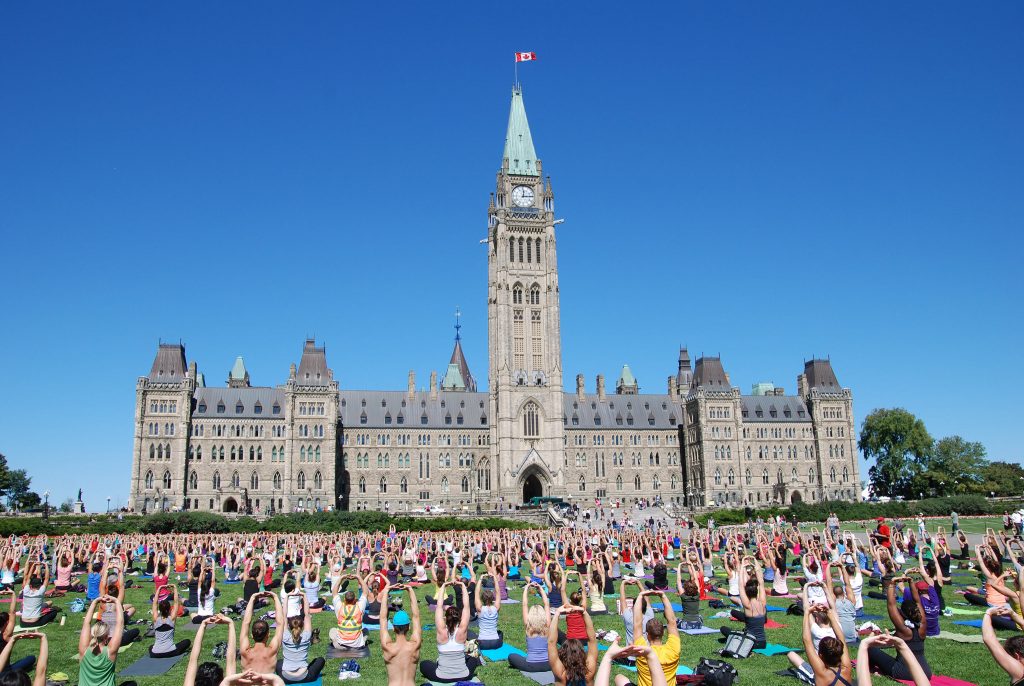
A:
[(362, 418), (363, 403), (202, 407), (447, 419), (401, 418), (387, 418), (383, 403), (458, 420), (221, 408), (277, 408), (257, 409), (423, 419), (239, 408), (597, 420)]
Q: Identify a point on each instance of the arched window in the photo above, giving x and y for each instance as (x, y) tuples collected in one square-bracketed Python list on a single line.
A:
[(583, 483), (167, 479), (538, 251), (520, 249), (465, 484), (277, 479), (444, 484), (216, 481), (535, 294), (846, 474), (764, 477), (252, 453), (636, 482), (362, 484), (318, 480), (160, 452), (382, 485), (747, 476), (511, 249), (152, 451), (832, 475), (235, 481), (254, 481), (732, 477), (167, 451), (517, 295), (302, 454), (529, 250), (300, 482), (675, 481), (199, 452), (318, 453), (718, 477), (810, 475), (149, 479), (531, 420), (656, 482), (403, 485), (259, 454), (193, 481), (618, 483)]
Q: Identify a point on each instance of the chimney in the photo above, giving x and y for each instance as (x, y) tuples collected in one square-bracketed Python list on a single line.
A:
[(780, 391), (727, 378), (412, 384), (672, 386), (433, 385), (600, 387), (801, 386), (579, 386), (291, 371)]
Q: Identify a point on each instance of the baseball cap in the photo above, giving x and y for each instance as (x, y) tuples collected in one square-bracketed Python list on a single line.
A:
[(401, 618), (879, 519)]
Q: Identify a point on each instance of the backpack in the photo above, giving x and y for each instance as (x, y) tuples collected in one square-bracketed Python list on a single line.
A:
[(738, 644), (716, 672), (77, 605)]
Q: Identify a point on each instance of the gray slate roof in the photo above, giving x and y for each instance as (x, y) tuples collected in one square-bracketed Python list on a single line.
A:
[(710, 373), (820, 375), (313, 369), (665, 412), (786, 408), (230, 398), (377, 406), (169, 365)]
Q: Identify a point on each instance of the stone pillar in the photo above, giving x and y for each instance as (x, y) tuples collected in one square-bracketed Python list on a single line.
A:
[(600, 387), (412, 384), (433, 385), (579, 386)]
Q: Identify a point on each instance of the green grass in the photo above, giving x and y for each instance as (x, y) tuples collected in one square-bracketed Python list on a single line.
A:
[(971, 662)]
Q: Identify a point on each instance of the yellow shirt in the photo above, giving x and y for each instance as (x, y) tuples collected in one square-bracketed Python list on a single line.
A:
[(668, 656)]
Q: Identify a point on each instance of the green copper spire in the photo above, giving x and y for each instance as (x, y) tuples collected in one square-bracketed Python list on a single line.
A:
[(238, 377), (519, 153)]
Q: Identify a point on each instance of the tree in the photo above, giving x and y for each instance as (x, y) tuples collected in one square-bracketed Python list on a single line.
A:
[(899, 444), (1001, 478), (954, 466), (4, 474), (18, 485), (67, 505)]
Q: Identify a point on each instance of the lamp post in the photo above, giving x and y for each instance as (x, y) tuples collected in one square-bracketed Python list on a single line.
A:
[(46, 504), (108, 504)]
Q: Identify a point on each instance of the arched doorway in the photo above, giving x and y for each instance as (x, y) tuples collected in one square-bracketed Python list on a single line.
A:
[(230, 505), (795, 498), (532, 488)]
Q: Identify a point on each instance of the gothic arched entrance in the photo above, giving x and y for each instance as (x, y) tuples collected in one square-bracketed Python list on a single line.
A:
[(532, 488), (795, 498), (231, 505)]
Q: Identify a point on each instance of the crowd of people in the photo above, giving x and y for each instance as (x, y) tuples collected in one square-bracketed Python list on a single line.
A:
[(561, 579)]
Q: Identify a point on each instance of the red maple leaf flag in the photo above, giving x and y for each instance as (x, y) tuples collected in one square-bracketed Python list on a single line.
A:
[(526, 56)]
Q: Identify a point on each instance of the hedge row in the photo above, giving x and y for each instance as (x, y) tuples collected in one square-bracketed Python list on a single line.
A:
[(967, 505), (206, 522)]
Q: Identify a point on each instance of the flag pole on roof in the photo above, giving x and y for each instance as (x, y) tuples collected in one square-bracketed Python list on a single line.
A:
[(522, 57)]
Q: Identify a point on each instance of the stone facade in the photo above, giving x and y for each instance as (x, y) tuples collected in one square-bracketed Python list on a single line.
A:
[(308, 444)]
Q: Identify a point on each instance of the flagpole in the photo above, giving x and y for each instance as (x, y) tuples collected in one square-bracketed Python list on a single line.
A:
[(515, 83)]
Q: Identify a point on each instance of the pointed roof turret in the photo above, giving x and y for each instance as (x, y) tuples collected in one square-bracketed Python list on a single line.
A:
[(627, 384), (519, 157), (238, 377), (458, 377)]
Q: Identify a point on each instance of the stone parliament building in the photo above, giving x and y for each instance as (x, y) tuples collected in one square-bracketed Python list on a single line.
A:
[(309, 444)]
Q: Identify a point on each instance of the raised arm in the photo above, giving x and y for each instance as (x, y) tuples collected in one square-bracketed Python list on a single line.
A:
[(1010, 664), (85, 635)]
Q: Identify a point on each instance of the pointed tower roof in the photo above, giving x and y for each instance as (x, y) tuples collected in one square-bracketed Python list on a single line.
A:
[(169, 365), (519, 154), (238, 377), (627, 382)]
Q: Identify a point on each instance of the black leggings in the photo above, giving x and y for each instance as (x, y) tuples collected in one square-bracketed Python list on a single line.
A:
[(976, 599), (47, 616), (491, 644), (887, 665), (180, 648), (516, 661), (313, 670), (129, 636), (429, 669), (25, 664)]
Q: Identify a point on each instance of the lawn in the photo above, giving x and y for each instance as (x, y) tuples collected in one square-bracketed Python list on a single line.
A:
[(971, 662)]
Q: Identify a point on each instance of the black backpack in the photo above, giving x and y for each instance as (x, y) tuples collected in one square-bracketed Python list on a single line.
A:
[(716, 672)]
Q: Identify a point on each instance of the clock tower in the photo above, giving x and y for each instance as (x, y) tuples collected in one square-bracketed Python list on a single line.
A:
[(524, 331)]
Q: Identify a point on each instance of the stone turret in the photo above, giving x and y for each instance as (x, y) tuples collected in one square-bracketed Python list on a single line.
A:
[(579, 386), (600, 387), (412, 384)]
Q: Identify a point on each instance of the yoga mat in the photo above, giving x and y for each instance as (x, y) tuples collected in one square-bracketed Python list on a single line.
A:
[(347, 653), (776, 649), (940, 680), (699, 632), (775, 608), (963, 612), (376, 627), (543, 678), (151, 666), (976, 623), (870, 617), (236, 581), (510, 601), (961, 638), (502, 653), (660, 607)]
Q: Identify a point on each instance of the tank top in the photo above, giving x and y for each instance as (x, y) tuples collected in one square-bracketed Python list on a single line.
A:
[(536, 649), (487, 622), (451, 660), (596, 599), (575, 627), (96, 669), (163, 632)]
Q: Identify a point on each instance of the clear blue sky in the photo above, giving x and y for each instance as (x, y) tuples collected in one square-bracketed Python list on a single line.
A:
[(768, 181)]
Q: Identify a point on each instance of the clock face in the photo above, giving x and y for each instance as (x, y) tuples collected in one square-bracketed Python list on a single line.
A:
[(522, 196)]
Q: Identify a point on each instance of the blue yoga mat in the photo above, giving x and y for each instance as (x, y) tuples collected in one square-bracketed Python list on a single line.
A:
[(502, 653), (660, 607), (776, 649), (701, 631), (775, 608), (976, 623)]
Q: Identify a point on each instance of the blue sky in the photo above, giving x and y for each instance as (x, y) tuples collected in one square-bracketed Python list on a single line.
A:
[(768, 181)]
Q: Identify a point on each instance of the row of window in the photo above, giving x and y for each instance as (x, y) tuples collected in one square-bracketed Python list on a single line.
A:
[(153, 428), (235, 481), (312, 408), (239, 408), (163, 406), (314, 430), (236, 430), (482, 439), (532, 246), (748, 476), (778, 432), (483, 479)]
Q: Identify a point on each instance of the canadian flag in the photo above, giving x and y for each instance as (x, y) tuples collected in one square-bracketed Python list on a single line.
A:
[(526, 56)]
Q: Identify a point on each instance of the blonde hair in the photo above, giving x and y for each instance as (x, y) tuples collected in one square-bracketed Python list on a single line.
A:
[(536, 621), (99, 633)]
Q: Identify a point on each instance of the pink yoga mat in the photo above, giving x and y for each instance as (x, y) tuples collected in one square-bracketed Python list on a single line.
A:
[(939, 680)]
